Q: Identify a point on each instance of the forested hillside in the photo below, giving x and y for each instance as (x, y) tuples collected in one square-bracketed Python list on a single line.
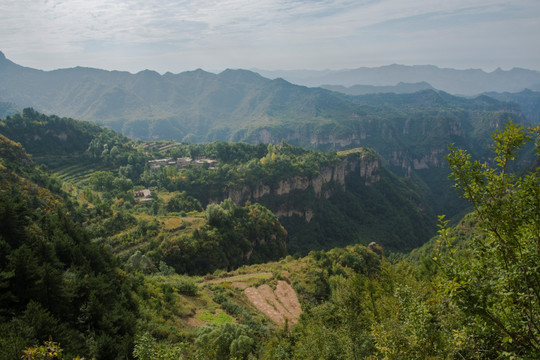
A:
[(322, 199), (7, 108), (56, 282), (87, 270), (528, 101), (411, 132), (116, 248)]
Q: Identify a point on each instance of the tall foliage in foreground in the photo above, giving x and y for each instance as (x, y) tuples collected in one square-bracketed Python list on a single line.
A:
[(478, 298), (54, 281), (496, 285)]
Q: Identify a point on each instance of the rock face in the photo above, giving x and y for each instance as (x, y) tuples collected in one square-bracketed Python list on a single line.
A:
[(366, 165), (244, 193)]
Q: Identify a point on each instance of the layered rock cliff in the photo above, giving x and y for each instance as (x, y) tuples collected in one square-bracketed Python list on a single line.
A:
[(364, 163)]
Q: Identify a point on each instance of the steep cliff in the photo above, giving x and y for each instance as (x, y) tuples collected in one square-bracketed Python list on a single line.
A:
[(323, 184), (363, 161), (323, 199), (354, 199)]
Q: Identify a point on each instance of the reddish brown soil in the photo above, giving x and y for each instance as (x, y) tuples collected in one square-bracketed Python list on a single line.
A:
[(257, 299), (287, 296), (278, 305)]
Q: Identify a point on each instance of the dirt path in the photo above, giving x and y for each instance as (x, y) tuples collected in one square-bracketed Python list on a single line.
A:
[(239, 278)]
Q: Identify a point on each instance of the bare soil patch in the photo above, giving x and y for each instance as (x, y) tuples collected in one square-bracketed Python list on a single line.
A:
[(287, 296), (278, 305), (257, 299)]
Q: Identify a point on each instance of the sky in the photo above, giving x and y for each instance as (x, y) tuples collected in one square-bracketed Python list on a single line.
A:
[(181, 35)]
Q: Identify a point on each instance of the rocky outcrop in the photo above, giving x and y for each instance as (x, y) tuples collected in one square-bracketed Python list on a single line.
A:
[(296, 183), (307, 214), (305, 137), (243, 193), (433, 159), (362, 162)]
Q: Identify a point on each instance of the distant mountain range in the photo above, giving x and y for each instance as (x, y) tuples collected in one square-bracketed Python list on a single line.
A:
[(459, 82), (235, 105), (411, 131), (401, 88), (529, 102)]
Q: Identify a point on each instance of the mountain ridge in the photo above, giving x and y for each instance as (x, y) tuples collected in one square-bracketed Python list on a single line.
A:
[(411, 131), (462, 82), (318, 196)]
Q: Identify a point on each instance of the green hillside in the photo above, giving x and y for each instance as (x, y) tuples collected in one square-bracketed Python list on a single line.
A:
[(7, 108), (56, 282), (528, 101), (323, 199), (86, 270), (410, 131)]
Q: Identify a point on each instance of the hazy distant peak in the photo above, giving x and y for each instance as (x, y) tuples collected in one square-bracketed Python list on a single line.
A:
[(241, 75), (197, 73), (149, 73), (8, 64), (464, 82), (399, 88), (487, 99)]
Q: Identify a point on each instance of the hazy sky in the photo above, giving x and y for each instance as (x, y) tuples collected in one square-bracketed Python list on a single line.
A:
[(179, 35)]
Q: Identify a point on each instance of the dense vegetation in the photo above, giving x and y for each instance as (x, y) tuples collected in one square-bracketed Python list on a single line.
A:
[(7, 108), (55, 281), (88, 269), (410, 131), (528, 101), (475, 294), (105, 168)]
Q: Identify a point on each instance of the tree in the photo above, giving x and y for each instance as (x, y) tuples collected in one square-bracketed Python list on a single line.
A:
[(226, 341), (102, 180), (496, 282), (49, 350), (183, 202), (147, 348)]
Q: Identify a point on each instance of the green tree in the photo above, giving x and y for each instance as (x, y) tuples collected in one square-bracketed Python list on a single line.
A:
[(183, 202), (122, 184), (495, 283), (102, 180), (147, 348), (226, 341)]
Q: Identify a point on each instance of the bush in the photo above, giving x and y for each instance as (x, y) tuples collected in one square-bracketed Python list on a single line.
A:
[(186, 287)]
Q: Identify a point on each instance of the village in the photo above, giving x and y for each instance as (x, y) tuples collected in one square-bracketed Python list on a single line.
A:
[(145, 195), (157, 164)]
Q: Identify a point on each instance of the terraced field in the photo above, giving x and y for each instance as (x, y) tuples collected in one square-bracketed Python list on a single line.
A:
[(279, 305), (70, 169), (75, 173)]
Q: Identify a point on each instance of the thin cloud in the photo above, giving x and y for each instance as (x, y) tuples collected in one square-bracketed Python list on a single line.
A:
[(172, 35)]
